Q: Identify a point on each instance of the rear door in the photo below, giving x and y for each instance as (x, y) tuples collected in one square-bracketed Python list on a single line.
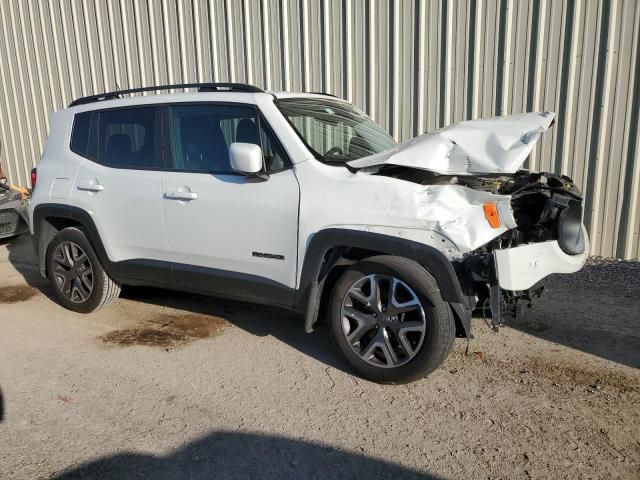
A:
[(119, 185), (229, 234)]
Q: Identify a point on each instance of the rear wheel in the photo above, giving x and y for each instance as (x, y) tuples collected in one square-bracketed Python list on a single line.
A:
[(390, 322), (75, 274)]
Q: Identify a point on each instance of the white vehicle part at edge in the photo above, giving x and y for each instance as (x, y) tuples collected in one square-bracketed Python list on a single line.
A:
[(493, 145), (520, 268)]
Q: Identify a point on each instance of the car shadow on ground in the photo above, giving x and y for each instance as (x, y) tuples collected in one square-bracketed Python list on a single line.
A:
[(23, 259), (230, 455), (594, 310)]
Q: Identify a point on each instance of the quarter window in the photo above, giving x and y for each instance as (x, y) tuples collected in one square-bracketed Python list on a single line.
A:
[(81, 132)]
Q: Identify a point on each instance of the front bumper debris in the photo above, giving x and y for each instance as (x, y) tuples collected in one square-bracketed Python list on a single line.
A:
[(520, 268)]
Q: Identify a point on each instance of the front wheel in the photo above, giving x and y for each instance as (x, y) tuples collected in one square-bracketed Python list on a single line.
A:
[(389, 320)]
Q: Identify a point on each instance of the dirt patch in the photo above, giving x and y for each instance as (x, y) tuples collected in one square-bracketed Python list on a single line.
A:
[(578, 376), (549, 371), (168, 330), (15, 294)]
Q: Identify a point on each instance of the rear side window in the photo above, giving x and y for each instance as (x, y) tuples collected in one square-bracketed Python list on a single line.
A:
[(126, 138), (120, 138), (81, 133)]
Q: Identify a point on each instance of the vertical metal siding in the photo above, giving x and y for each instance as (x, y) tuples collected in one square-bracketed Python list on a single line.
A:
[(413, 65)]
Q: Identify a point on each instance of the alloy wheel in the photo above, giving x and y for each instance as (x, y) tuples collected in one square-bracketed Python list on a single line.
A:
[(383, 320), (73, 272)]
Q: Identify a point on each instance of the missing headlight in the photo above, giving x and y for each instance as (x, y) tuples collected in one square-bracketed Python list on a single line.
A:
[(570, 234)]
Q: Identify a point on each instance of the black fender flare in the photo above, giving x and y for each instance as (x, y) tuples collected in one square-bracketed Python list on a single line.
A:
[(43, 233), (317, 264)]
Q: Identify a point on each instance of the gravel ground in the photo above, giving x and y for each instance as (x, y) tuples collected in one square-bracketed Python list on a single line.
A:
[(167, 385)]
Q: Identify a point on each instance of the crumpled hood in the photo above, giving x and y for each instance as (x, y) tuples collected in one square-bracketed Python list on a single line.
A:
[(493, 145)]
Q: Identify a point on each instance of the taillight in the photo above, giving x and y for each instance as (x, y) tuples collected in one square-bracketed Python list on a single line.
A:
[(34, 177)]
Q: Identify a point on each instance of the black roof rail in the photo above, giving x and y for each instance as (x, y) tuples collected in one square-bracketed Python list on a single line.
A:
[(323, 93), (202, 87)]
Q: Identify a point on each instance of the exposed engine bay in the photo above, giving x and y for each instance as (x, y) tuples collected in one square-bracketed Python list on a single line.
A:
[(512, 227)]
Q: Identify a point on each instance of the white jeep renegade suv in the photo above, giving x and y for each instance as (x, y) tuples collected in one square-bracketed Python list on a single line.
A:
[(302, 201)]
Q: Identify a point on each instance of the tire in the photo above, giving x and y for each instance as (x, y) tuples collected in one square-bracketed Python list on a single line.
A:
[(75, 286), (427, 346)]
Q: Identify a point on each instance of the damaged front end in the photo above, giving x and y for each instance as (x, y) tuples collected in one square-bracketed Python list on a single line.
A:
[(549, 238), (548, 235), (540, 233)]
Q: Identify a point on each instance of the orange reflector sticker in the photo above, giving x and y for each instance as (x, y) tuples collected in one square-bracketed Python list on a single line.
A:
[(491, 214)]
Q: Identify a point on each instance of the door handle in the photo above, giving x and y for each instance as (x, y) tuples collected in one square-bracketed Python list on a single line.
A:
[(175, 195), (91, 187)]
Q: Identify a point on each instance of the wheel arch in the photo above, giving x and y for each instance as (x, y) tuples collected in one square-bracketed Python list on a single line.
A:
[(337, 248), (50, 218)]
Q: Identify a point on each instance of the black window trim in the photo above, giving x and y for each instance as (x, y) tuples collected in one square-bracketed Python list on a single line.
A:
[(163, 147)]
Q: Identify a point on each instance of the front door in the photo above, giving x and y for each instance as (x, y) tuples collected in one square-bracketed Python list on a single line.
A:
[(229, 234)]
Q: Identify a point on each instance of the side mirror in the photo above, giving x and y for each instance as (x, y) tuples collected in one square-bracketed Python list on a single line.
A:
[(246, 158)]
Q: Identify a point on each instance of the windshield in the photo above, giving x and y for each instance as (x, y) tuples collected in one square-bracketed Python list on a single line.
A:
[(335, 131)]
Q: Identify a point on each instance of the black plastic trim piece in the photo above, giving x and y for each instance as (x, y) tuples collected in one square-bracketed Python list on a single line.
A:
[(323, 93), (495, 295), (202, 87), (234, 285), (314, 269), (40, 214)]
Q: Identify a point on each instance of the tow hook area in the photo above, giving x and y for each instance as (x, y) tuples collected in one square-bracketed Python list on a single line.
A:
[(508, 306), (505, 305)]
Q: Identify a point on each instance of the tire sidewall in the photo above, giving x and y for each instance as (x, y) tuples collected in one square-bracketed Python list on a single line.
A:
[(436, 313), (77, 236)]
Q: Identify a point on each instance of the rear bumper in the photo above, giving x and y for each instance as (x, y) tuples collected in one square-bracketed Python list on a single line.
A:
[(520, 268)]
